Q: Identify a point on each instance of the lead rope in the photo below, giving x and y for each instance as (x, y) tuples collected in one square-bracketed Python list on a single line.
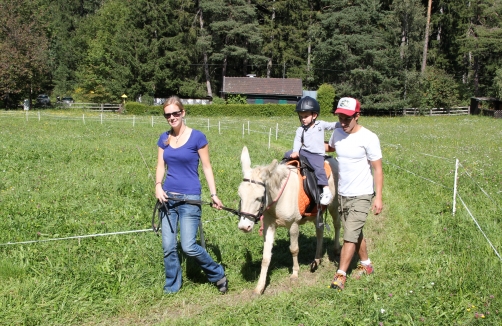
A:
[(273, 202)]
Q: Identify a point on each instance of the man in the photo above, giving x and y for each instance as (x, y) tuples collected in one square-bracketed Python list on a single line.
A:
[(360, 185)]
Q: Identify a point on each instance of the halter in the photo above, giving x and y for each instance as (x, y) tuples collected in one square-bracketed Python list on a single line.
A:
[(256, 217)]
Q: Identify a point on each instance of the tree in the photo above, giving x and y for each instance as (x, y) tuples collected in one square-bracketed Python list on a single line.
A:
[(23, 51), (105, 72), (235, 35), (358, 55), (436, 89), (326, 97), (63, 18), (289, 29), (497, 83)]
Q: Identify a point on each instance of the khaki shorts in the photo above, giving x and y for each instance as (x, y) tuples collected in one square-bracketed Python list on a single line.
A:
[(353, 212)]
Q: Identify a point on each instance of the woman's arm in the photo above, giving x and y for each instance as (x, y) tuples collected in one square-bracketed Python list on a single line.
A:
[(208, 172), (159, 176)]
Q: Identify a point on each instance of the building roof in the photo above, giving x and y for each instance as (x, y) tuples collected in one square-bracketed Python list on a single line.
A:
[(262, 86)]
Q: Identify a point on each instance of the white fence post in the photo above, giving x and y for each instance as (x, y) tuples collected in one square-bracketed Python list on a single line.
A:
[(38, 115), (83, 118), (455, 187), (208, 124), (269, 136), (276, 130), (133, 120), (152, 120), (101, 118)]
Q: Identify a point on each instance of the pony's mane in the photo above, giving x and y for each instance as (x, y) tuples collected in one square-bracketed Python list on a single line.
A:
[(274, 177)]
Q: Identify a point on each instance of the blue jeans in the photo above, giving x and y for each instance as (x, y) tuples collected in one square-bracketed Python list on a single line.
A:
[(317, 163), (188, 216)]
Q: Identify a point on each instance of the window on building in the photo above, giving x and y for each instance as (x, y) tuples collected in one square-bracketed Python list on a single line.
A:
[(259, 101), (283, 101)]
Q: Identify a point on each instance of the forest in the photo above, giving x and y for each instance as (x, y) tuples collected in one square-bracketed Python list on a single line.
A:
[(389, 54)]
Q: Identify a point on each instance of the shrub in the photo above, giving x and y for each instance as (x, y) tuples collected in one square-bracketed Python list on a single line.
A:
[(326, 97), (212, 110), (236, 99)]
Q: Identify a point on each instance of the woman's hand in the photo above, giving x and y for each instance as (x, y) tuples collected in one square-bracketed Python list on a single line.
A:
[(216, 202), (160, 193)]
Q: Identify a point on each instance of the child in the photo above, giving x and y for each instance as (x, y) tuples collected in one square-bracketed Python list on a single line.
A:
[(309, 142)]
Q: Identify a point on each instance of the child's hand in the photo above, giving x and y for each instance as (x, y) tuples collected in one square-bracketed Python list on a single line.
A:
[(294, 155)]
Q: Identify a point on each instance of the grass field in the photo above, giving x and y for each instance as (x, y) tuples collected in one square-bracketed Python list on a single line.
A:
[(65, 174)]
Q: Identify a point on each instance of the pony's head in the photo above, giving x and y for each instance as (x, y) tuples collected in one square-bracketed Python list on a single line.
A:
[(252, 191)]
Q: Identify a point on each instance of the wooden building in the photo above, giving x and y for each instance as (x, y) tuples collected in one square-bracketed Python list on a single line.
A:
[(263, 90), (489, 106)]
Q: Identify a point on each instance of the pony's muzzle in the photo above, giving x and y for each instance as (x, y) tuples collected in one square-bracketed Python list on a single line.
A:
[(245, 225)]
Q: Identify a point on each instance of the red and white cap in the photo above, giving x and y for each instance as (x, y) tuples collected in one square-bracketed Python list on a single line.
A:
[(348, 106)]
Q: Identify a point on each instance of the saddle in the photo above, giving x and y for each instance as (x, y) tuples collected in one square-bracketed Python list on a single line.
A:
[(308, 194)]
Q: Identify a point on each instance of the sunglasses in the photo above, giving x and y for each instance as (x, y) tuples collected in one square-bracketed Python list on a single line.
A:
[(176, 114)]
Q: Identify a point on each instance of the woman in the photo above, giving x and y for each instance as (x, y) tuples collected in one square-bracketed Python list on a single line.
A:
[(180, 150)]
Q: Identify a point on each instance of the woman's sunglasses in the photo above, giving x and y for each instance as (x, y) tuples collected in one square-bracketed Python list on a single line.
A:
[(176, 114)]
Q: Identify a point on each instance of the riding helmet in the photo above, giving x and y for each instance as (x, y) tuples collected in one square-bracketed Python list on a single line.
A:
[(306, 104)]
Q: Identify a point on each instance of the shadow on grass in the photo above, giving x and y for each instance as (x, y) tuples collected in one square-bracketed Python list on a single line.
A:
[(193, 271), (282, 258)]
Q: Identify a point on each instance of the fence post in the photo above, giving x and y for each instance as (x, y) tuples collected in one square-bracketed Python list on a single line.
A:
[(455, 187), (269, 136)]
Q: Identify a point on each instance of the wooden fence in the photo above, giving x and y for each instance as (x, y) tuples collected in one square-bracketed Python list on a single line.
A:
[(461, 110), (95, 106)]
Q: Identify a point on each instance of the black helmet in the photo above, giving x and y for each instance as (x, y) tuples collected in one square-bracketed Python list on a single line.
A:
[(306, 104)]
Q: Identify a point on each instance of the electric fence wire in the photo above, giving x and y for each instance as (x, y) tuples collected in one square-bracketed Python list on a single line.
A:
[(463, 203)]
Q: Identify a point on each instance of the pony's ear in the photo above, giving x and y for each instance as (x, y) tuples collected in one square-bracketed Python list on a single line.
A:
[(268, 170), (245, 161)]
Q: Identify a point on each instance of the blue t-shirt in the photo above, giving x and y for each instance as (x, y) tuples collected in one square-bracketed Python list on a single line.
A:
[(183, 163)]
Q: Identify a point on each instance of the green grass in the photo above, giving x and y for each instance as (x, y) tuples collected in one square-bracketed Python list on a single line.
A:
[(61, 177)]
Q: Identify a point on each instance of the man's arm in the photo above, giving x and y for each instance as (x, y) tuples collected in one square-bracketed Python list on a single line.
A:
[(378, 180)]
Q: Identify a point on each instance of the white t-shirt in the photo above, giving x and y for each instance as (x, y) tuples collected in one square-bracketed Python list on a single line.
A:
[(354, 153)]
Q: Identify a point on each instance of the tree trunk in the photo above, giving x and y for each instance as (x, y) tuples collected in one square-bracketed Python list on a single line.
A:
[(269, 63), (224, 69), (269, 66), (308, 55), (206, 68), (426, 41)]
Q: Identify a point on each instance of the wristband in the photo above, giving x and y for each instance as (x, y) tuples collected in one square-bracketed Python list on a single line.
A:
[(158, 183), (212, 195)]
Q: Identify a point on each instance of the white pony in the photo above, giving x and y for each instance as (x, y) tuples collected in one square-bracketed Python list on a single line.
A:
[(272, 191)]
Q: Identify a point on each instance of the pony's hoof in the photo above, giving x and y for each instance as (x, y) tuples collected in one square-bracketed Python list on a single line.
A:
[(255, 294), (314, 265)]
